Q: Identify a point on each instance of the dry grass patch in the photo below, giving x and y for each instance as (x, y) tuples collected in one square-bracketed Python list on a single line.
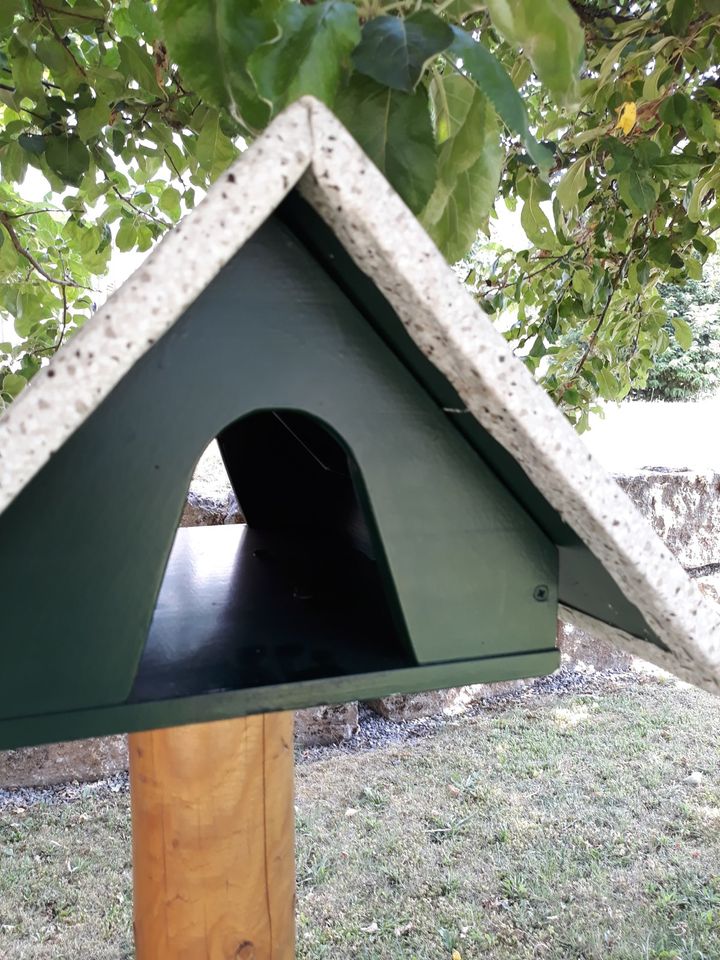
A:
[(557, 828)]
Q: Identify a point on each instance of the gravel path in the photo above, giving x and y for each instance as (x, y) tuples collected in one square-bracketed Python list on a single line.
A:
[(375, 732), (62, 792)]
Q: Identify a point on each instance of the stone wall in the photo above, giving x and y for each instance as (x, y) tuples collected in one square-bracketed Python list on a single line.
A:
[(83, 760), (684, 509)]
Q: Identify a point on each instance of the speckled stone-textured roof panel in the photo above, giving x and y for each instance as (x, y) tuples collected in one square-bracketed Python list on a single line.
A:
[(307, 145)]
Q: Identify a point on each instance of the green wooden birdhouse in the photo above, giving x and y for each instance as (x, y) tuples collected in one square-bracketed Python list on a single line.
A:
[(417, 510)]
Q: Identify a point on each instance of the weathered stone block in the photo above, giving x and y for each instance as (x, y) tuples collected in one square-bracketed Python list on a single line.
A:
[(581, 650), (82, 760), (200, 511), (684, 509), (321, 726), (413, 706)]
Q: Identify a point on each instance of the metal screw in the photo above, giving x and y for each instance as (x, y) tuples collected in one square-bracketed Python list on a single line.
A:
[(541, 593)]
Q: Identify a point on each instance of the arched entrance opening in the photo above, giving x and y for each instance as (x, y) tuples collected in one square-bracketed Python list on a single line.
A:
[(299, 593)]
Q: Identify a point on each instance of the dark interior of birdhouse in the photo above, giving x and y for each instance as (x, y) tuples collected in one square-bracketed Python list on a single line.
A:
[(298, 592)]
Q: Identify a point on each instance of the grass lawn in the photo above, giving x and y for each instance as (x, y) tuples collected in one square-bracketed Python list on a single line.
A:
[(556, 827)]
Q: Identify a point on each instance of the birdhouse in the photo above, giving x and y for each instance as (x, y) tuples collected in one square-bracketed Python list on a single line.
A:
[(417, 510)]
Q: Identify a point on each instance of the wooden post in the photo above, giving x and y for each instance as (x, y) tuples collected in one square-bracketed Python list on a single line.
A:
[(213, 840)]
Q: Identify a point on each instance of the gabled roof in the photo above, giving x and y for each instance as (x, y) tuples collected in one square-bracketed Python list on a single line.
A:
[(307, 147)]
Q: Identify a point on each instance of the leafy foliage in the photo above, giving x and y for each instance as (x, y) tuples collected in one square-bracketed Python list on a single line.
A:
[(690, 366), (630, 203), (602, 123), (91, 106)]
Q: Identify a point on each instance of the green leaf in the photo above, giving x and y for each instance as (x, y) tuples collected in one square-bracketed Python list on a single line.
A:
[(469, 169), (683, 332), (494, 82), (169, 203), (80, 14), (214, 151), (13, 384), (14, 161), (145, 20), (647, 153), (623, 157), (394, 51), (91, 120), (611, 58), (551, 37), (681, 16), (29, 310), (144, 238), (8, 11), (126, 235), (572, 184), (459, 10), (307, 56), (32, 142), (9, 257), (451, 97), (68, 157), (638, 190), (700, 191), (89, 241), (535, 223), (27, 73), (137, 64), (607, 383), (211, 41), (52, 54), (693, 268), (395, 131), (660, 250), (679, 165), (674, 109)]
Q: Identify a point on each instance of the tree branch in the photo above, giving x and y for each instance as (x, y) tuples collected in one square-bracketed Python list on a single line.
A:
[(589, 14), (73, 14), (5, 221), (546, 266), (170, 160), (63, 327), (133, 206), (44, 12), (30, 213), (598, 326)]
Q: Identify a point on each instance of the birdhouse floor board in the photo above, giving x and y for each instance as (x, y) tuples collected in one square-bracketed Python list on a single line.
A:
[(246, 608)]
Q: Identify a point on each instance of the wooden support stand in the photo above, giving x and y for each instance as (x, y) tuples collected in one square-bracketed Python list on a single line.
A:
[(213, 840)]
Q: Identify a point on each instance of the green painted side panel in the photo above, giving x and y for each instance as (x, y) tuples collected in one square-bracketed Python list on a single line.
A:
[(584, 584), (84, 547)]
